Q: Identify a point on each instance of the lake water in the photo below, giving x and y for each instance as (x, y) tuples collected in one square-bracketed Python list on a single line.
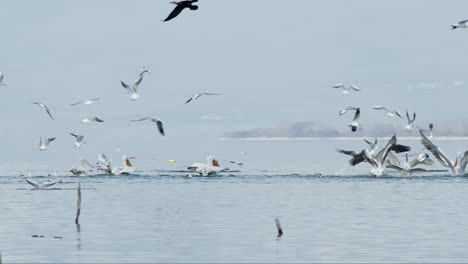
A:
[(160, 216)]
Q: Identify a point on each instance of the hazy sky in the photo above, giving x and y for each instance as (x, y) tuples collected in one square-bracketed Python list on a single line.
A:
[(273, 61)]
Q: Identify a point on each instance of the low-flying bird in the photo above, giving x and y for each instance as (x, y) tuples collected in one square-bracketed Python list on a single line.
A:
[(198, 95), (43, 144), (1, 80), (461, 24), (355, 123), (346, 89), (79, 140), (92, 119), (85, 101), (390, 113), (180, 6), (43, 106), (158, 122), (410, 124), (43, 185)]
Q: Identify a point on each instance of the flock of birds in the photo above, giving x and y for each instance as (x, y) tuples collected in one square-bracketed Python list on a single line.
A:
[(379, 159)]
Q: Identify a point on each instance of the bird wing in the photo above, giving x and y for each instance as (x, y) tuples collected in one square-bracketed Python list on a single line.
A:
[(395, 167), (210, 93), (160, 126), (414, 117), (48, 111), (33, 183), (463, 162), (379, 107), (398, 113), (407, 117), (355, 88), (77, 103), (357, 159), (137, 83), (436, 151), (47, 184), (48, 140), (1, 76), (190, 99), (357, 114), (338, 85), (85, 163), (392, 159), (97, 119), (175, 12), (126, 86), (347, 152), (76, 136), (141, 119)]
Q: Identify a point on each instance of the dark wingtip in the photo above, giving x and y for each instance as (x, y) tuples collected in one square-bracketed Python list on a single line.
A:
[(193, 7), (401, 148)]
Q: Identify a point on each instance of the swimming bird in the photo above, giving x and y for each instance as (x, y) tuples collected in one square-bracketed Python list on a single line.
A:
[(158, 122), (180, 6), (1, 80), (86, 101), (133, 90), (206, 169), (461, 24), (43, 144), (410, 124), (42, 185), (346, 89), (43, 106), (79, 140), (349, 108), (391, 113), (198, 95), (457, 168), (92, 119), (355, 123)]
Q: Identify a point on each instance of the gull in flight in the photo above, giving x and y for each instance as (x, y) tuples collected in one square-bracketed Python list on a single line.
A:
[(198, 95), (355, 123), (1, 80), (43, 106), (85, 101), (461, 24), (181, 5), (391, 113), (92, 119), (346, 89), (43, 144), (457, 168), (349, 108), (79, 140), (410, 124), (158, 122), (133, 90), (43, 185)]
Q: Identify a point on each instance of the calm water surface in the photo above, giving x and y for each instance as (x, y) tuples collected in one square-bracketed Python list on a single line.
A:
[(161, 216)]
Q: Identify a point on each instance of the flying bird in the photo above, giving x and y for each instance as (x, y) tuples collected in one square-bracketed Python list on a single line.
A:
[(180, 6), (43, 185), (198, 95), (43, 106), (355, 123), (79, 140), (391, 113), (43, 144), (158, 122), (410, 124), (85, 101), (92, 119), (1, 80), (461, 24), (349, 108), (346, 89)]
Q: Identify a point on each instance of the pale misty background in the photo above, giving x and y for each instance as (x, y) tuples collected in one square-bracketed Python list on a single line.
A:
[(273, 61)]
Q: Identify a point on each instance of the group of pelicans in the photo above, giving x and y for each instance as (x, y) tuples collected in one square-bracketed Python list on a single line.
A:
[(383, 158)]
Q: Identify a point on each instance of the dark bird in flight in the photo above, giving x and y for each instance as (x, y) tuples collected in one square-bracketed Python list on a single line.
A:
[(181, 5)]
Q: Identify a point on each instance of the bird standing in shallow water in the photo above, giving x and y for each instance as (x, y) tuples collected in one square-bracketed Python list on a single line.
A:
[(181, 5)]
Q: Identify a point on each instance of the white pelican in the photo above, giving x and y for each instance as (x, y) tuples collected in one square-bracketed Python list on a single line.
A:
[(391, 113), (457, 168), (198, 95), (410, 124), (43, 144), (355, 123), (206, 169), (346, 89), (1, 80), (349, 108), (92, 119), (157, 121), (86, 101), (43, 106), (42, 185), (79, 140), (461, 24)]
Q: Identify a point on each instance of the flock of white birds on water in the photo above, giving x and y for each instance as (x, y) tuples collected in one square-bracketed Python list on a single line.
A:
[(378, 158)]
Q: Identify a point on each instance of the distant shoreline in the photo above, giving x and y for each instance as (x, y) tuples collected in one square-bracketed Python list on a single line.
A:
[(439, 138)]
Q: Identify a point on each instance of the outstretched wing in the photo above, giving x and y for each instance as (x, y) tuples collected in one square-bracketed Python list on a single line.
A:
[(160, 127), (190, 99), (33, 183), (76, 136), (355, 88), (126, 86), (379, 107), (435, 151), (141, 119), (48, 140), (347, 152), (174, 12), (357, 114)]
